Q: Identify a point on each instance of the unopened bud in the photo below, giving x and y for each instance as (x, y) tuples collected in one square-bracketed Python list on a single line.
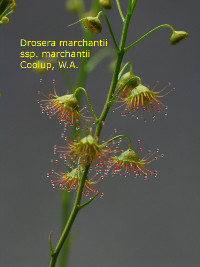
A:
[(92, 24), (129, 156), (5, 20), (107, 4), (177, 37), (124, 79)]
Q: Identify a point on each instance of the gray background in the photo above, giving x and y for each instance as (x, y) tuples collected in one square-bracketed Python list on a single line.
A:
[(137, 223)]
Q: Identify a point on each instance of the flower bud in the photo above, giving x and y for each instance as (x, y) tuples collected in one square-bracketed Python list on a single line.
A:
[(68, 102), (107, 4), (177, 37), (129, 156), (92, 24), (5, 20), (74, 6), (124, 79), (131, 85)]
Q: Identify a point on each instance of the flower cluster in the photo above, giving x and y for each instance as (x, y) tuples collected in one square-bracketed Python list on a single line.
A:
[(102, 157)]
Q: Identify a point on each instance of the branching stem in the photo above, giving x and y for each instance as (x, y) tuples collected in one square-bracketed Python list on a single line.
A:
[(120, 53)]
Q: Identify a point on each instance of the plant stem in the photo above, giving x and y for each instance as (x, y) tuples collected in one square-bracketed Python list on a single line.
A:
[(123, 69), (76, 206), (147, 34), (9, 10), (120, 55), (65, 196), (88, 100), (65, 211), (72, 217), (117, 137), (110, 29), (120, 10)]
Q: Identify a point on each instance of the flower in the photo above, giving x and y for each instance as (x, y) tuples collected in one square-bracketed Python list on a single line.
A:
[(66, 107), (92, 24), (69, 180), (129, 160), (143, 98), (85, 149)]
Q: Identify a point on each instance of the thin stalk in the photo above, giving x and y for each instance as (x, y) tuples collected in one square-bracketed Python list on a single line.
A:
[(147, 34), (88, 202), (117, 137), (120, 55), (123, 69), (120, 10), (110, 29), (9, 10), (88, 100)]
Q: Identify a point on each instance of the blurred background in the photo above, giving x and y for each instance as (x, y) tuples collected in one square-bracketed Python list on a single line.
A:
[(152, 223)]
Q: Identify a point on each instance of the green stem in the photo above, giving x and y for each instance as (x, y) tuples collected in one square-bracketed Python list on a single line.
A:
[(74, 212), (77, 206), (134, 2), (110, 29), (88, 202), (66, 201), (80, 81), (117, 137), (123, 69), (120, 55), (120, 10), (9, 10), (147, 34), (88, 100)]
